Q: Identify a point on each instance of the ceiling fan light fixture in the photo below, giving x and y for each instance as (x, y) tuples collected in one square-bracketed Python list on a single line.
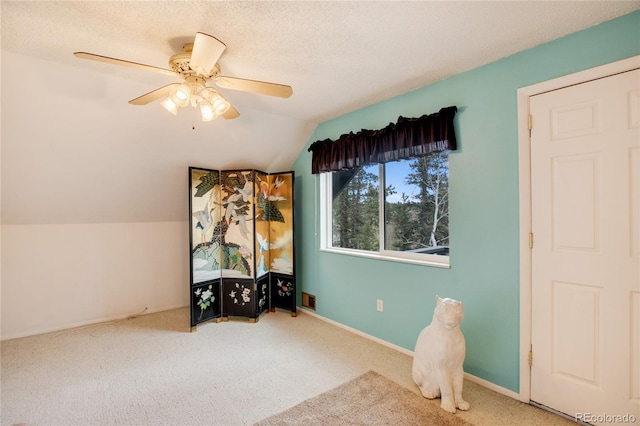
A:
[(220, 105), (207, 93), (170, 106), (207, 112), (181, 95), (214, 100)]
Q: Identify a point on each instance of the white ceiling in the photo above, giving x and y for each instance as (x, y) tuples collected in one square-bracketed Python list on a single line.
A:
[(74, 150)]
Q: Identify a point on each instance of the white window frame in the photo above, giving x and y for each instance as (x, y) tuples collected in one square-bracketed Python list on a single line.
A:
[(326, 231)]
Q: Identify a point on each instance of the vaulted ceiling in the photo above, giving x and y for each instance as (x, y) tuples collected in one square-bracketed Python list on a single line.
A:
[(74, 150)]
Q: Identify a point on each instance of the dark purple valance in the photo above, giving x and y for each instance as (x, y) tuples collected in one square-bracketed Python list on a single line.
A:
[(408, 137)]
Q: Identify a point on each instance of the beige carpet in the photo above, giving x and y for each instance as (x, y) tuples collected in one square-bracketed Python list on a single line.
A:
[(370, 399), (150, 370)]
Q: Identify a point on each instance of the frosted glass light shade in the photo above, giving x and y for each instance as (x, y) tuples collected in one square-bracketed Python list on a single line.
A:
[(170, 106), (181, 95), (207, 112), (218, 103)]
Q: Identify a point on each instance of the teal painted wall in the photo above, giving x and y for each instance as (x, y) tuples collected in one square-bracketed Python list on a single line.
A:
[(483, 207)]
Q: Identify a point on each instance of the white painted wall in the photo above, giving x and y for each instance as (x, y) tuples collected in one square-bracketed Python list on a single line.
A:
[(61, 276)]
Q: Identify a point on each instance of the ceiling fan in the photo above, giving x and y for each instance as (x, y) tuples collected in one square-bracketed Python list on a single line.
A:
[(197, 65)]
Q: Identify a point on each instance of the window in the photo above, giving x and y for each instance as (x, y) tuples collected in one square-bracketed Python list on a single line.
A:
[(407, 221)]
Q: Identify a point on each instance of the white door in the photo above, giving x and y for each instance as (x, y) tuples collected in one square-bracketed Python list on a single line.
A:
[(585, 198)]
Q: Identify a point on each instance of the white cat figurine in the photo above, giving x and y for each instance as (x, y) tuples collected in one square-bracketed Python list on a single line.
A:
[(439, 354)]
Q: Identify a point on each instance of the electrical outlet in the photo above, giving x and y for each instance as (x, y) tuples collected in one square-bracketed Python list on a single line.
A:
[(380, 305)]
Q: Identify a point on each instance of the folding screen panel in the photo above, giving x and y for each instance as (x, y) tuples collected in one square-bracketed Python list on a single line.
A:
[(241, 238), (278, 202), (206, 212)]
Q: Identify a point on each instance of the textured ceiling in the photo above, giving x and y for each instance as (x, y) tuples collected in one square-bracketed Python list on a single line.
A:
[(338, 57)]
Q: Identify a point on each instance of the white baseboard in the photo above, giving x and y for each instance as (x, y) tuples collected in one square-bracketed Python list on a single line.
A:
[(358, 332), (482, 382), (492, 386)]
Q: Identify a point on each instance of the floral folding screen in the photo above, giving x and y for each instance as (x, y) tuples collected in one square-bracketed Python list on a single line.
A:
[(241, 243)]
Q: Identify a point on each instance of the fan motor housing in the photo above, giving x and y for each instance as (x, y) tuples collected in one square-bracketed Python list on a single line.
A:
[(181, 63)]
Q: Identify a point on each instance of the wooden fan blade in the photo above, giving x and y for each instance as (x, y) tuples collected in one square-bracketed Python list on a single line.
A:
[(153, 95), (100, 58), (254, 86), (231, 113), (205, 53)]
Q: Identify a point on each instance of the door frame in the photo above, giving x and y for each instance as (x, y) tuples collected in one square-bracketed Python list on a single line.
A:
[(524, 168)]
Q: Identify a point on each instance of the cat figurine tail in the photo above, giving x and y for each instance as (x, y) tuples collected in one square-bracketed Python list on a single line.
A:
[(439, 355)]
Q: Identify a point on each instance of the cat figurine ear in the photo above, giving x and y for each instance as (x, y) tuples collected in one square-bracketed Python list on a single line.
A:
[(439, 301)]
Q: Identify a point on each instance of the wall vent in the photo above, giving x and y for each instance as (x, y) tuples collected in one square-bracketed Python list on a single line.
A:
[(308, 301)]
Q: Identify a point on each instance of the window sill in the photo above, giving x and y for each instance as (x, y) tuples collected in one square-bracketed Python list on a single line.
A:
[(443, 263)]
